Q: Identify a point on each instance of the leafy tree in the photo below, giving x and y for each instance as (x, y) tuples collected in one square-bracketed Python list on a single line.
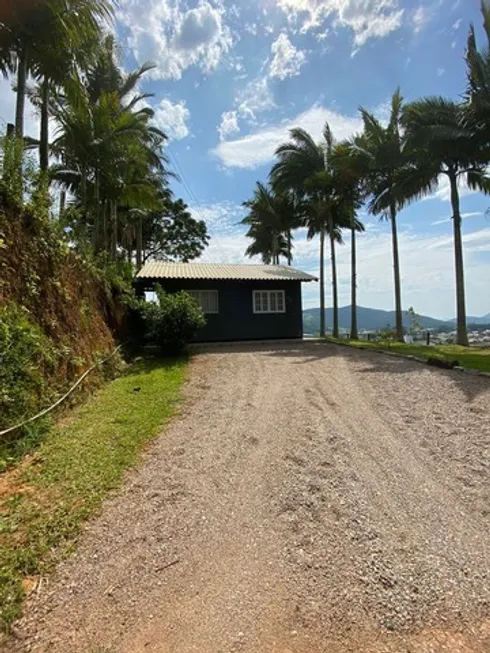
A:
[(172, 234)]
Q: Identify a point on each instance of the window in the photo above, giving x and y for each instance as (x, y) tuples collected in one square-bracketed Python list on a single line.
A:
[(207, 300), (269, 301)]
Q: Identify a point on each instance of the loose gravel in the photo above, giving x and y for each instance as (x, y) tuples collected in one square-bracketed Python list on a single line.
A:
[(308, 499)]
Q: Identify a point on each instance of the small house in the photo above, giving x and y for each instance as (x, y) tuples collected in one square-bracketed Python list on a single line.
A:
[(240, 302)]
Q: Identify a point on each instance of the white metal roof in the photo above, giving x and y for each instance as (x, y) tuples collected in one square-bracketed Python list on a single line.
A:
[(163, 270)]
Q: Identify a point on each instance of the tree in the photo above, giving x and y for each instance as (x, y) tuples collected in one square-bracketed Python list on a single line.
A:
[(350, 184), (112, 156), (442, 141), (378, 155), (272, 217), (36, 37), (308, 170), (172, 234), (478, 72), (300, 159)]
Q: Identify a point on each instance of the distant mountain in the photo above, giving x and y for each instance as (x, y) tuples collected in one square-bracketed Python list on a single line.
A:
[(370, 319), (471, 319)]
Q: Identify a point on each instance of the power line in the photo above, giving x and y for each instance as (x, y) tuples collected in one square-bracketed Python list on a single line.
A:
[(192, 197)]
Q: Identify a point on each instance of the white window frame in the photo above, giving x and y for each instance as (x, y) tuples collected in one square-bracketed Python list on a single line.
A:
[(269, 293), (198, 294)]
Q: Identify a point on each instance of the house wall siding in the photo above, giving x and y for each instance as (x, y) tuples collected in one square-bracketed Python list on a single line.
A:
[(236, 319)]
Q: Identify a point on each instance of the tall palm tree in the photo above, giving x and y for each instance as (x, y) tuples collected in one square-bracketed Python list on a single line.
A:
[(442, 141), (110, 156), (351, 186), (271, 218), (300, 160), (378, 155), (478, 71), (38, 35)]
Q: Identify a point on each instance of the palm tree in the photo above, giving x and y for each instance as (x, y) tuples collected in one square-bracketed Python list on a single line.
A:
[(111, 155), (478, 71), (300, 160), (37, 38), (271, 219), (442, 140), (378, 156), (332, 206)]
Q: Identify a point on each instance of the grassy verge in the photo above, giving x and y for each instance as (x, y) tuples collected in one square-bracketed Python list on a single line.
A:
[(44, 500), (468, 357)]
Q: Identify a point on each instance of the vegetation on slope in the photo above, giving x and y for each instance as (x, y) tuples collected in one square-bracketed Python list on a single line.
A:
[(44, 500)]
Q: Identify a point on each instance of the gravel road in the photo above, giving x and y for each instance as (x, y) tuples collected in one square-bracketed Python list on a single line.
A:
[(308, 499)]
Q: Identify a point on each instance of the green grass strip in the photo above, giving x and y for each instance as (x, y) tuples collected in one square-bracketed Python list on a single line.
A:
[(46, 498), (469, 357)]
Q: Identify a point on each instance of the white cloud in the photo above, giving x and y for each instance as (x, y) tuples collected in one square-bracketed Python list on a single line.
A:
[(420, 18), (175, 38), (287, 60), (251, 28), (229, 124), (258, 148), (440, 72), (470, 214), (457, 24), (427, 280), (254, 98), (172, 119), (367, 18)]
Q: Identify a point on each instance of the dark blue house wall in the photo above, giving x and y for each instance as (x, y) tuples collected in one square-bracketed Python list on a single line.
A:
[(236, 319)]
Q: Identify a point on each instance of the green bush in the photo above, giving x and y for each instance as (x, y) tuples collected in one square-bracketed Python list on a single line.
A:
[(26, 354), (173, 321)]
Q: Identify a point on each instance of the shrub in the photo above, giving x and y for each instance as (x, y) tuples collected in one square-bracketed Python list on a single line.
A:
[(173, 321), (26, 355)]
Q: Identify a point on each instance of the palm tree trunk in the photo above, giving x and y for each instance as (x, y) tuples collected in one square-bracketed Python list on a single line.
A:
[(113, 229), (335, 328), (21, 92), (322, 283), (139, 243), (44, 135), (290, 247), (62, 203), (462, 335), (396, 273), (353, 302)]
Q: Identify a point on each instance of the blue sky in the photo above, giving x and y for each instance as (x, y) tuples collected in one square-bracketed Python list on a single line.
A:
[(232, 78)]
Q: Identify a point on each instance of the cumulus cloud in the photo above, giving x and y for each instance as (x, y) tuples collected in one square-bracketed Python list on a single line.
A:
[(257, 97), (172, 119), (258, 148), (174, 38), (228, 125), (287, 60), (366, 18)]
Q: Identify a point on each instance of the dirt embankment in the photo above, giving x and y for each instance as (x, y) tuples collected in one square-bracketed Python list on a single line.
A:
[(309, 499)]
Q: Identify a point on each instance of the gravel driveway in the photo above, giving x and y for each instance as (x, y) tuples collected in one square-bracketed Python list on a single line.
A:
[(308, 499)]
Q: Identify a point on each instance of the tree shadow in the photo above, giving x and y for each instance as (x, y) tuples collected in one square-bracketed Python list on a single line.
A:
[(472, 385)]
